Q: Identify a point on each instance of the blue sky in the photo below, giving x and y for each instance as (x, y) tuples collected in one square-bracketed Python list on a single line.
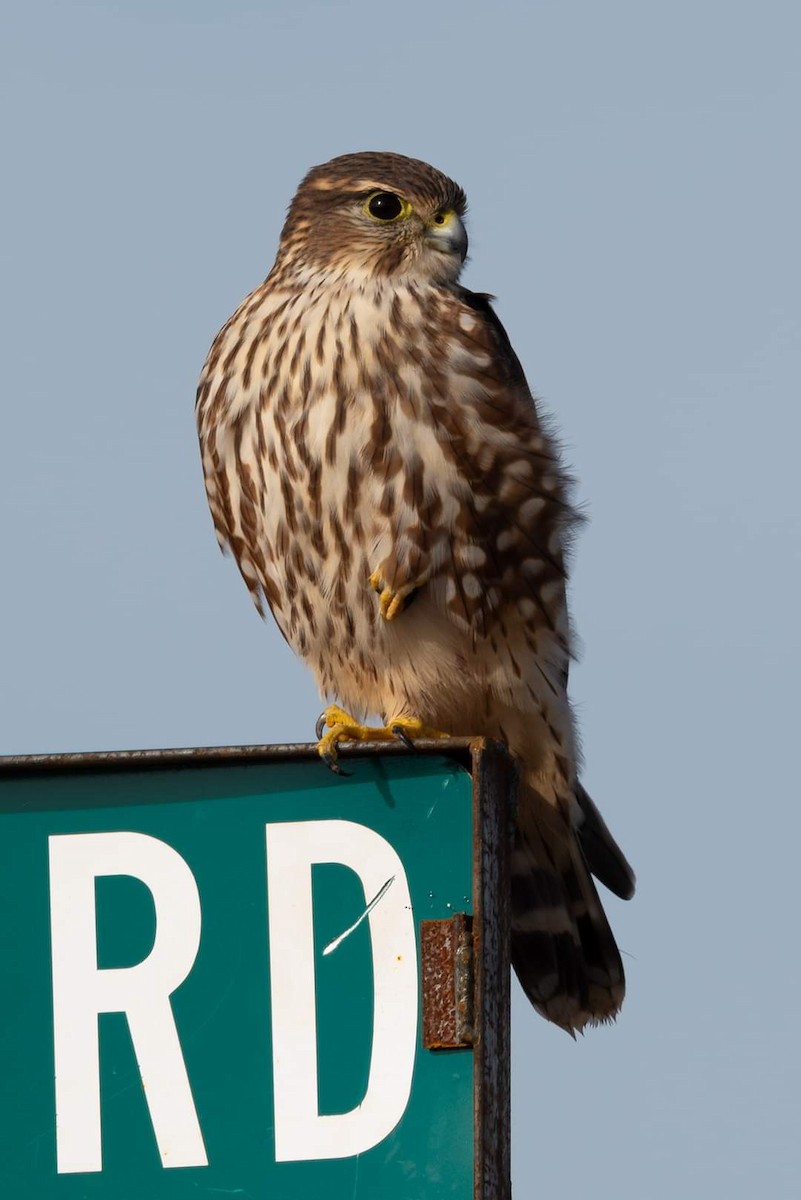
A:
[(633, 175)]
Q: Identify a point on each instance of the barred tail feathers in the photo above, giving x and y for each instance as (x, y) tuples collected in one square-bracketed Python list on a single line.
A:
[(563, 950)]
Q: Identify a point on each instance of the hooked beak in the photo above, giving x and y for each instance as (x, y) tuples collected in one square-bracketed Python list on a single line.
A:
[(447, 234)]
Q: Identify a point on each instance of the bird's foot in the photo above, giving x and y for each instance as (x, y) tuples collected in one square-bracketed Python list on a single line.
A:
[(406, 729), (393, 601), (342, 727)]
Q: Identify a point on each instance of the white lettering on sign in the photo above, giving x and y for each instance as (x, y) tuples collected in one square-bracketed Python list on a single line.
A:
[(301, 1131), (81, 990)]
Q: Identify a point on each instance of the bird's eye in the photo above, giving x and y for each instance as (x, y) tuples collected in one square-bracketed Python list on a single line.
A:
[(386, 206), (439, 218)]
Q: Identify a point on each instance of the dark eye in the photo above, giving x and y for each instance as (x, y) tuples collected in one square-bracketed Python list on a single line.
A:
[(385, 206)]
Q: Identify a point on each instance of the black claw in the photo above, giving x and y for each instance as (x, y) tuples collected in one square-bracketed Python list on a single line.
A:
[(402, 736), (320, 726), (408, 600), (334, 766)]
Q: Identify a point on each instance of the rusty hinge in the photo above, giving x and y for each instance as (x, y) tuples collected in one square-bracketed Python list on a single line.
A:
[(447, 969)]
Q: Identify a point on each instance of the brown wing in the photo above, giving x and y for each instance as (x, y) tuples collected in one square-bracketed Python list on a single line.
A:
[(234, 480)]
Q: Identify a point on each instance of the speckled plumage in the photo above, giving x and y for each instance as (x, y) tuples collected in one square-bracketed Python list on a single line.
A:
[(361, 414)]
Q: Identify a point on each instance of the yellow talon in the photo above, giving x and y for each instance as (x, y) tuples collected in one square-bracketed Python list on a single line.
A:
[(334, 715), (407, 728), (342, 727), (391, 602)]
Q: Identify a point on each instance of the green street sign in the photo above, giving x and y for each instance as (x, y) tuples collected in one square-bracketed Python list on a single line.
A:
[(230, 973)]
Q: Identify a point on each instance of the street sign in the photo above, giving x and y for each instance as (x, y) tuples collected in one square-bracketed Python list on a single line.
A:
[(232, 973)]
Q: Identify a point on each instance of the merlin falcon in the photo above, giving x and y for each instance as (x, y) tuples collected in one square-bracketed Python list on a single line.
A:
[(377, 465)]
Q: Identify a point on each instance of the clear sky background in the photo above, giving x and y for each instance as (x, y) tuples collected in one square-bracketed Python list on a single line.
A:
[(633, 172)]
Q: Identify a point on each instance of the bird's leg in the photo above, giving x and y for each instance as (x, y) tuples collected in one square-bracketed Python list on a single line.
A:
[(393, 600), (342, 727)]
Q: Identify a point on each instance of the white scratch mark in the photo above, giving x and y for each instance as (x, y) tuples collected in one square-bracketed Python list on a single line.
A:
[(378, 896)]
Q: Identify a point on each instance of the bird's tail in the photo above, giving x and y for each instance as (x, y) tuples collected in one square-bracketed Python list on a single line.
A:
[(563, 951)]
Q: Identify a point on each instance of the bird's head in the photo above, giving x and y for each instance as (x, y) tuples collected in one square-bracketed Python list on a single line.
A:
[(378, 214)]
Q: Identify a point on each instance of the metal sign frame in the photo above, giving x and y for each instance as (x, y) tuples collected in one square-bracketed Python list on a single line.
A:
[(465, 961)]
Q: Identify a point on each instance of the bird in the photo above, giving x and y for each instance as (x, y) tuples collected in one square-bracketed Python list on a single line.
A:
[(381, 472)]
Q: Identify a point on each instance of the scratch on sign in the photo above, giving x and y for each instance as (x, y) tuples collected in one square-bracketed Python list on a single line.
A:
[(378, 896)]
